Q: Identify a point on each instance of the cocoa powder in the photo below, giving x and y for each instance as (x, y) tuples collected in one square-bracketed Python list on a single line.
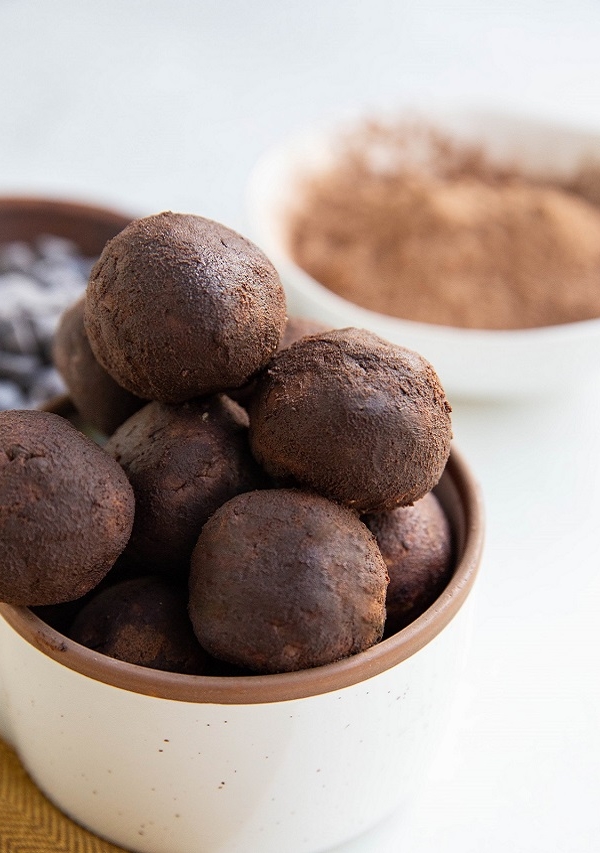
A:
[(411, 223)]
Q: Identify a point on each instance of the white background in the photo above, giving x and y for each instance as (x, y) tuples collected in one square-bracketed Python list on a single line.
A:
[(165, 104)]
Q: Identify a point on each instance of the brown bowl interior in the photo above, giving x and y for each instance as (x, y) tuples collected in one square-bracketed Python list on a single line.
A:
[(460, 496), (87, 226)]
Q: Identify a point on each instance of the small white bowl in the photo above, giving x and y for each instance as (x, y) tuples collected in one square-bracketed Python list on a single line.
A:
[(158, 762), (471, 363)]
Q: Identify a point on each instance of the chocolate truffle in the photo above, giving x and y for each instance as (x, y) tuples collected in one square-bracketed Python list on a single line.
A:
[(179, 306), (416, 544), (142, 621), (283, 580), (66, 510), (97, 397), (354, 417), (183, 461)]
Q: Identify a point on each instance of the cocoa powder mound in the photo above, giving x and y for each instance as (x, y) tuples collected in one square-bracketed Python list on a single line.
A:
[(413, 224)]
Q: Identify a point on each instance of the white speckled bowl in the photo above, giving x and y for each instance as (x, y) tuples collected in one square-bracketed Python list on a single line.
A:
[(471, 363), (164, 763)]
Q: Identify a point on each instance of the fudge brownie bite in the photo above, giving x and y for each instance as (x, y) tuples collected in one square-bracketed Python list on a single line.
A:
[(66, 510), (95, 394), (179, 306), (183, 461), (354, 417), (282, 580), (416, 544), (142, 621)]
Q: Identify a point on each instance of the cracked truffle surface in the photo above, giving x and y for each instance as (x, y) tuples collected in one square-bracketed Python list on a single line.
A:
[(416, 544), (66, 510), (183, 461), (179, 306), (283, 580), (142, 621), (354, 417), (95, 394)]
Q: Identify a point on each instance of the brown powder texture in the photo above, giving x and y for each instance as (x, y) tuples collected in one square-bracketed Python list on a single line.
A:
[(410, 223)]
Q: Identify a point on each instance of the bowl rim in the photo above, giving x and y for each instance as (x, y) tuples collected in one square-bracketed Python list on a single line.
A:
[(24, 204), (280, 687)]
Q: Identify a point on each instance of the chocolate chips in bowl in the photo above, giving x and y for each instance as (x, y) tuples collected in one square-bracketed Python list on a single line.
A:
[(47, 248)]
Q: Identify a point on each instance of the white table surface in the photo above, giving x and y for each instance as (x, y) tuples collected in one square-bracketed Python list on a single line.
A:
[(149, 105)]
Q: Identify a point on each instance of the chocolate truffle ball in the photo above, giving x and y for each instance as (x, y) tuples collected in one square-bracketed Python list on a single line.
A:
[(283, 580), (95, 394), (354, 417), (416, 544), (183, 461), (66, 510), (142, 621), (179, 306)]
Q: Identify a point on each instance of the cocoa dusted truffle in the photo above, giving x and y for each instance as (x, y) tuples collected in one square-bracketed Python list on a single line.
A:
[(95, 394), (416, 544), (142, 621), (66, 510), (283, 579), (356, 418), (183, 461), (179, 306)]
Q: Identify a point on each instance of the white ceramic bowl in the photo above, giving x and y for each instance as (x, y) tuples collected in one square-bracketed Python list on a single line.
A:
[(159, 762), (471, 363)]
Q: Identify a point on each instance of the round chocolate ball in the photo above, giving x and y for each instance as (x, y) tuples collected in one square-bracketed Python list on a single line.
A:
[(283, 580), (66, 510), (183, 461), (97, 397), (416, 544), (179, 306), (358, 419), (142, 621)]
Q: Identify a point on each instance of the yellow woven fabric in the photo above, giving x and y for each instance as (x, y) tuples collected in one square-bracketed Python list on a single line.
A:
[(29, 823)]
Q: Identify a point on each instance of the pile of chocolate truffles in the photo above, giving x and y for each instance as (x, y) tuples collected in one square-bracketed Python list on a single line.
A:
[(261, 494)]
